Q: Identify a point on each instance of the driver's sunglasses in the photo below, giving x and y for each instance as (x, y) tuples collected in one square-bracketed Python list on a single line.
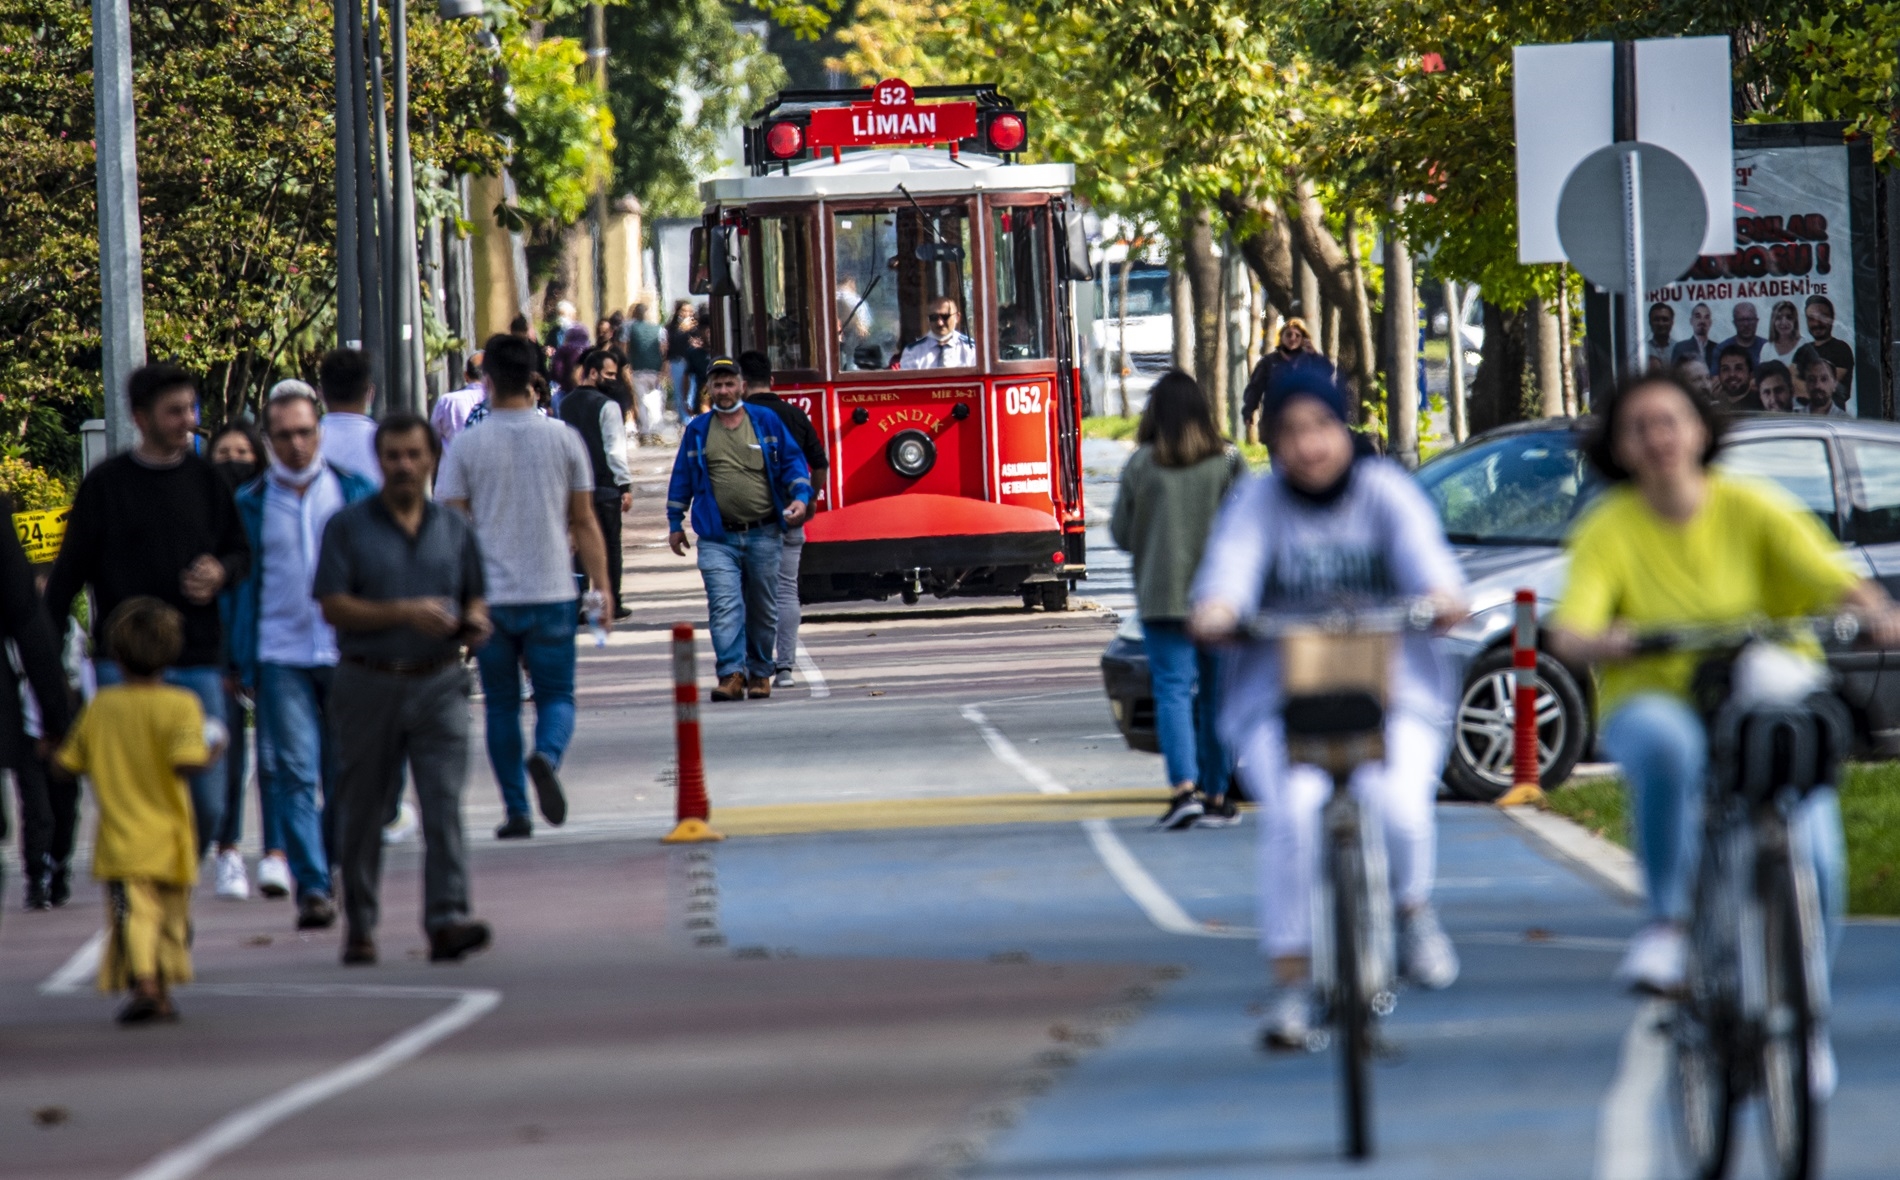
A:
[(943, 318)]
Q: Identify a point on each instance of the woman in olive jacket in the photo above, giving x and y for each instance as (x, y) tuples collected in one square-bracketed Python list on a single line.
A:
[(1171, 488)]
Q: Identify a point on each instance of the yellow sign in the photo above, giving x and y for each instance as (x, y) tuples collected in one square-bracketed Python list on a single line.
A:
[(41, 532)]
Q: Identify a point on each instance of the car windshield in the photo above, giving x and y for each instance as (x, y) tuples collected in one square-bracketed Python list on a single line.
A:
[(1520, 489)]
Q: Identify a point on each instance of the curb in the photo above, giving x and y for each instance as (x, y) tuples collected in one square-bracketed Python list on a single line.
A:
[(1610, 864)]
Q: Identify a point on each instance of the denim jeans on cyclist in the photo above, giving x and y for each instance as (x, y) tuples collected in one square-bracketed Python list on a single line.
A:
[(741, 576), (293, 706), (1183, 682), (208, 785), (1663, 749), (540, 637)]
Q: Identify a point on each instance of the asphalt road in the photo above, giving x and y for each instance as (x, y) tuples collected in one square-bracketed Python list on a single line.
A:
[(959, 951)]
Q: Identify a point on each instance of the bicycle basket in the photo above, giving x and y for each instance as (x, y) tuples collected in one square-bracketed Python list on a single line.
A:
[(1335, 684), (1761, 750)]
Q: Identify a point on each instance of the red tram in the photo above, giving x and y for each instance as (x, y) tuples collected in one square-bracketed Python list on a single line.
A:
[(910, 283)]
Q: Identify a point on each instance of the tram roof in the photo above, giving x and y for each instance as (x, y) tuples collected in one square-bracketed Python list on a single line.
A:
[(876, 173)]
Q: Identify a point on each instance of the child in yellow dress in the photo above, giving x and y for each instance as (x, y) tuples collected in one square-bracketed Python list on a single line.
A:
[(136, 741)]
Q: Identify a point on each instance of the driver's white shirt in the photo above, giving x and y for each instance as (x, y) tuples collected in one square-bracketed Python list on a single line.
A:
[(958, 352)]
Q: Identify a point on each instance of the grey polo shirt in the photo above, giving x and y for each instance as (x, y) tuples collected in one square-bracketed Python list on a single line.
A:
[(367, 554)]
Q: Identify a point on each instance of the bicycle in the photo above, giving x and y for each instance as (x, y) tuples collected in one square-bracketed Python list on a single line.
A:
[(1334, 667), (1752, 1013)]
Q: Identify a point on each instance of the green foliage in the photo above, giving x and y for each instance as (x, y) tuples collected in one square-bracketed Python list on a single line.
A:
[(235, 140), (31, 488), (1840, 65), (564, 133)]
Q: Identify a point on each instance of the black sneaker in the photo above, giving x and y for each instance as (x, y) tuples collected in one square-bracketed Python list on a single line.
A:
[(517, 827), (1219, 814), (547, 789), (315, 912), (36, 892), (447, 944), (59, 884), (1183, 810)]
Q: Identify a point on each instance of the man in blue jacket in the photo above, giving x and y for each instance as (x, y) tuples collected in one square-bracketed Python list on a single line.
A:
[(282, 649), (745, 482)]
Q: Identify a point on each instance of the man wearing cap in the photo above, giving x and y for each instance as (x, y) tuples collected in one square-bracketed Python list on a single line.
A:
[(744, 482), (944, 347), (282, 648)]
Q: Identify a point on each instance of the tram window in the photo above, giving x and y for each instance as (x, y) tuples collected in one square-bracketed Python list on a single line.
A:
[(775, 282), (1021, 266), (894, 268)]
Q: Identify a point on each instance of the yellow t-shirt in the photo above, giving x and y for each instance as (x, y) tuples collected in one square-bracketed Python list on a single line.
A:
[(1751, 552), (129, 742)]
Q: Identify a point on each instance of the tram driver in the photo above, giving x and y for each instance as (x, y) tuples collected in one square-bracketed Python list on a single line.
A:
[(944, 347)]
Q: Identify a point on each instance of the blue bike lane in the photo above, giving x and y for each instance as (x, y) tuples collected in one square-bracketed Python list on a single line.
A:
[(1521, 1069)]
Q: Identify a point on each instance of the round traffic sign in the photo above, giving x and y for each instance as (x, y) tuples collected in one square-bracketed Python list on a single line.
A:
[(1591, 216)]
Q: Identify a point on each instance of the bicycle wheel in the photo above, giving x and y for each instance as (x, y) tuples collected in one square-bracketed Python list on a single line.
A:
[(1790, 934), (1702, 1027), (1352, 1015)]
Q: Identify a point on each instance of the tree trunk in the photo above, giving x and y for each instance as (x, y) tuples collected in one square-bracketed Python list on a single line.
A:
[(1183, 297), (1311, 306), (1341, 283), (1267, 247), (1203, 275), (1401, 378), (1547, 356), (1497, 392), (1455, 356)]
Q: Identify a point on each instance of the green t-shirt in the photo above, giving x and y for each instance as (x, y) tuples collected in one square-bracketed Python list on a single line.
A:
[(1750, 552), (643, 346), (737, 466)]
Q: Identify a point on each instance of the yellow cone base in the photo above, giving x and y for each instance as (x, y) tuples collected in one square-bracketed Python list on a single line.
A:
[(691, 831), (1521, 795)]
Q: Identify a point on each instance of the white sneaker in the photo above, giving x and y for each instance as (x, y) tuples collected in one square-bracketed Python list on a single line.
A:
[(1427, 955), (1289, 1019), (404, 826), (1654, 962), (273, 876), (783, 679), (233, 885)]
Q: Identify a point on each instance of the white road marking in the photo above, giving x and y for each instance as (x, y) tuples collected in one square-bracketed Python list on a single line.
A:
[(75, 972), (1626, 1127), (241, 1127), (1129, 873), (1562, 942), (814, 679)]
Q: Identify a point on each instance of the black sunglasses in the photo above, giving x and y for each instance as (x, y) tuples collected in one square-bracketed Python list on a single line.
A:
[(943, 317)]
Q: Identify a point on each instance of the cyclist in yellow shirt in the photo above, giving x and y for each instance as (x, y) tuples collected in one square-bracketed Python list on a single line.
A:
[(1672, 543)]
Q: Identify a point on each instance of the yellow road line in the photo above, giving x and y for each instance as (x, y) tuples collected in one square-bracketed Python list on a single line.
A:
[(784, 819)]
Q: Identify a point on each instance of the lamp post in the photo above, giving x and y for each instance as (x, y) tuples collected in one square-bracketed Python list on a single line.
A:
[(121, 258)]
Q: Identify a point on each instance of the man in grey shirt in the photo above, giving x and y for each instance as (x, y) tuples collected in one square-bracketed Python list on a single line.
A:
[(528, 485), (402, 582)]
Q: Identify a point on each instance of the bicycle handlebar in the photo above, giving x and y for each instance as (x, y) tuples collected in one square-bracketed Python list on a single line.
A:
[(1406, 614), (1703, 637)]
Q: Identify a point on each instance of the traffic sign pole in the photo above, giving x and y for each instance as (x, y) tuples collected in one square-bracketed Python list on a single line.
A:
[(1634, 321)]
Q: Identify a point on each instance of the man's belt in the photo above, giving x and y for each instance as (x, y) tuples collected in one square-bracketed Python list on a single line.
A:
[(401, 667), (736, 527)]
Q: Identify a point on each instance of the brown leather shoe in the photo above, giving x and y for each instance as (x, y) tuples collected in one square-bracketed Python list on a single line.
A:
[(359, 952), (730, 688), (759, 687)]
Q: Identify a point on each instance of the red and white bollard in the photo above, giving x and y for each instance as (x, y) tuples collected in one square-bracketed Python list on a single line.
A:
[(1525, 787), (694, 808)]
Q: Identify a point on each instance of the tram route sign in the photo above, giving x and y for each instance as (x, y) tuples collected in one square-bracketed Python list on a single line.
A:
[(893, 117)]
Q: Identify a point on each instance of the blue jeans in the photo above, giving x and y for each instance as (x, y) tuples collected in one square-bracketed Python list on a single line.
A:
[(1664, 751), (293, 707), (1183, 681), (741, 576), (208, 785), (540, 637), (685, 393)]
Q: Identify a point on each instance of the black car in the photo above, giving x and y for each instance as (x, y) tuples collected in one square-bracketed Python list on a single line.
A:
[(1507, 497)]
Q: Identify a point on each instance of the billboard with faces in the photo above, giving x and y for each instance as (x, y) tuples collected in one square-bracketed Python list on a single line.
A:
[(1785, 321)]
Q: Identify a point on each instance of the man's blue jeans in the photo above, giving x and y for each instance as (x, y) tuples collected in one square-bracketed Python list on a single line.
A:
[(1664, 751), (208, 785), (1182, 680), (293, 707), (540, 637), (741, 576)]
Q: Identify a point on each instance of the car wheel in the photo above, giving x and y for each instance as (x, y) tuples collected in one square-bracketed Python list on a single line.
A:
[(1480, 763)]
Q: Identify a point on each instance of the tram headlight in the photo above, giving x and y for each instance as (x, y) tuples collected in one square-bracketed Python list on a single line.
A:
[(784, 140), (1007, 132), (911, 453)]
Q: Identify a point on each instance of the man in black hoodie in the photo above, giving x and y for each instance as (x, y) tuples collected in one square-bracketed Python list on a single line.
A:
[(158, 520), (593, 411)]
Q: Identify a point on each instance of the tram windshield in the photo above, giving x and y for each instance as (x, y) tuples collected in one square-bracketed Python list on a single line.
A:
[(903, 295), (1020, 237), (772, 291)]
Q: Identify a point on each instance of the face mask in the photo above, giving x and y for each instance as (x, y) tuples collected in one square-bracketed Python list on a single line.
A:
[(235, 473)]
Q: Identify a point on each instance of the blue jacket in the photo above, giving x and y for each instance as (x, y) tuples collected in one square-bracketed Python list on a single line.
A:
[(240, 601), (790, 477)]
